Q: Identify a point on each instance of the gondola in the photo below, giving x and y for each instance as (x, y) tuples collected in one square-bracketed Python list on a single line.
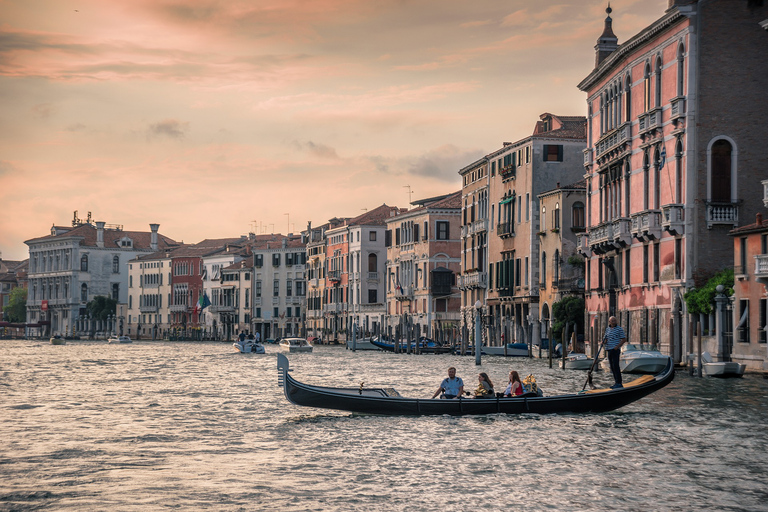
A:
[(387, 401), (425, 346)]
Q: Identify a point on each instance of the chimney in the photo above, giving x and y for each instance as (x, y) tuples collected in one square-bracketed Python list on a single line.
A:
[(100, 234), (153, 239), (759, 219), (607, 42), (285, 243)]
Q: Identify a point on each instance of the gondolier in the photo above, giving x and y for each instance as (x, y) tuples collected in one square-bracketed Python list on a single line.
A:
[(614, 338), (452, 386)]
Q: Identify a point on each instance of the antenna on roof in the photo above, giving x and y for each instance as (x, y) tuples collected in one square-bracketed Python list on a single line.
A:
[(410, 193)]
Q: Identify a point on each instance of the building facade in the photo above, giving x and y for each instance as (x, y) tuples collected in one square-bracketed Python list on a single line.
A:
[(671, 162)]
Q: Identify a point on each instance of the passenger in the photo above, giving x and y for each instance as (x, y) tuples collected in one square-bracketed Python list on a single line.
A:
[(452, 386), (241, 337), (515, 387), (485, 386)]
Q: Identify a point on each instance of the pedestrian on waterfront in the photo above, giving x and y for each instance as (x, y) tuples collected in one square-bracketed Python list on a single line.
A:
[(452, 386), (258, 337), (515, 386), (242, 336), (484, 386), (614, 338)]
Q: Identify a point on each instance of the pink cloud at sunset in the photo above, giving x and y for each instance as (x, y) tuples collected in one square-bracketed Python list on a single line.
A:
[(205, 116)]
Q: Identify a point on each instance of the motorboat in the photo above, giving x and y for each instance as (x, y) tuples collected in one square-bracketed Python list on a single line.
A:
[(387, 401), (576, 361), (511, 350), (295, 345), (56, 339), (362, 344), (722, 369), (639, 358), (249, 347), (119, 339)]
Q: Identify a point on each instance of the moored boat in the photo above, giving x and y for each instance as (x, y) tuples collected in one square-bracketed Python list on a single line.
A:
[(361, 344), (639, 358), (119, 339), (576, 361), (387, 401), (426, 346), (295, 345), (512, 350), (722, 369)]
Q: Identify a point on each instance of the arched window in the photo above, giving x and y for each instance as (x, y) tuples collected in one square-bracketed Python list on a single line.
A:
[(721, 156), (84, 293), (658, 82), (84, 263), (679, 171), (628, 98), (556, 216), (556, 267), (543, 218), (373, 263), (543, 268), (646, 178), (647, 88), (627, 188), (656, 178), (577, 215), (115, 264), (681, 70)]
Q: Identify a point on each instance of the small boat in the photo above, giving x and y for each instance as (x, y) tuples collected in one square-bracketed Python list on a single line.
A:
[(722, 369), (641, 358), (426, 346), (295, 345), (56, 339), (512, 350), (576, 361), (119, 339), (362, 344), (249, 347), (387, 401)]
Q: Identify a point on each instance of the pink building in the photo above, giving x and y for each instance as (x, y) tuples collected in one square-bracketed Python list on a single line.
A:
[(671, 161)]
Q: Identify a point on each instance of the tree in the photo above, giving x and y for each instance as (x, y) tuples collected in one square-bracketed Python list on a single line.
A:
[(16, 310), (101, 307), (699, 300), (570, 309)]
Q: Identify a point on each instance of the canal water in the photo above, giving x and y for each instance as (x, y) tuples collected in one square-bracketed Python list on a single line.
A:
[(197, 426)]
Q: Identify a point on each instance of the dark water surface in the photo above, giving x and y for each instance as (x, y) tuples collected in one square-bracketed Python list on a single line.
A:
[(197, 426)]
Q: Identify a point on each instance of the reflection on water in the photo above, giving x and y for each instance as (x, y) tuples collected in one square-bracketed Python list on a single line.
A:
[(147, 426)]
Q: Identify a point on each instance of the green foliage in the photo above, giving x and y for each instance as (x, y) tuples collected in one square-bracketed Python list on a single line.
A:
[(101, 307), (576, 261), (570, 309), (699, 301), (16, 310)]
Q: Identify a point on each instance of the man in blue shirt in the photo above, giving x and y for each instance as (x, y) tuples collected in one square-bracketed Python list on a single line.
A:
[(451, 387), (614, 338)]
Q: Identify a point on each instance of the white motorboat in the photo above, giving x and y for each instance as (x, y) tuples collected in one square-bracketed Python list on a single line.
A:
[(639, 358), (249, 347), (57, 340), (512, 350), (119, 339), (576, 361), (295, 345), (362, 344), (722, 369)]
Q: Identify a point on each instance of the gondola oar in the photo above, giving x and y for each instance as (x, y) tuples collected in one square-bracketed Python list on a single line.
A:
[(592, 368)]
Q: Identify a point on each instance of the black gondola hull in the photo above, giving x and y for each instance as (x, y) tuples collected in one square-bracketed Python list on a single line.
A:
[(377, 401)]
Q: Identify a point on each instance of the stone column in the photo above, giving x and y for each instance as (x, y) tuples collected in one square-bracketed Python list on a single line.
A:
[(720, 301)]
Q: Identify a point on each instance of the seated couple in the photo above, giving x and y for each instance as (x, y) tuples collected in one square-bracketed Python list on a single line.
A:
[(453, 386)]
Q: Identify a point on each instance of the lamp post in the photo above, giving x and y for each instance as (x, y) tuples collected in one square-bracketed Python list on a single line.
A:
[(478, 334)]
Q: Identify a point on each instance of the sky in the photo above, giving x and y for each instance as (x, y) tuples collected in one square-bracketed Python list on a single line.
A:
[(216, 118)]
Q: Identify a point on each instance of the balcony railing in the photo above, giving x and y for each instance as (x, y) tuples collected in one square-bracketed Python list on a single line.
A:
[(582, 244), (178, 308), (504, 229), (722, 213), (611, 140), (622, 235), (765, 193), (148, 309), (646, 225), (677, 108), (673, 218), (761, 266), (588, 156), (440, 290), (373, 276), (473, 279), (334, 275), (220, 308)]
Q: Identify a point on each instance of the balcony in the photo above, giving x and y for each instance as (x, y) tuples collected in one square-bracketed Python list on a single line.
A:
[(334, 276), (508, 171), (673, 218), (649, 121), (221, 309), (622, 234), (722, 213), (404, 293), (373, 276), (612, 143), (257, 301), (569, 283), (355, 276), (646, 225), (333, 308), (761, 268), (677, 108), (587, 157), (505, 229), (293, 300), (178, 308), (148, 309), (473, 279), (314, 282), (582, 244), (375, 307)]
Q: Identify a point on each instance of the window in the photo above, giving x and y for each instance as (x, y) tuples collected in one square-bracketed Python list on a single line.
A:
[(656, 261), (678, 258), (527, 215), (373, 296), (276, 288), (372, 263), (658, 82), (742, 269), (442, 229), (372, 236), (577, 215), (116, 264), (543, 268), (288, 312), (647, 88), (115, 291), (645, 263), (258, 312), (743, 325), (275, 260), (761, 333), (275, 313), (628, 99), (258, 260), (556, 217), (720, 171), (646, 179), (680, 70), (84, 293), (258, 288), (553, 153), (543, 218), (84, 263), (288, 288), (657, 179)]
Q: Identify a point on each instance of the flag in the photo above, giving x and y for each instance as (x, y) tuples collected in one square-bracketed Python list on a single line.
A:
[(663, 157), (397, 285), (202, 303)]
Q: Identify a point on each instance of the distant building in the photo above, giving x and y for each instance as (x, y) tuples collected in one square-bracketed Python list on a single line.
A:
[(671, 162), (315, 276), (13, 274), (72, 265), (336, 310)]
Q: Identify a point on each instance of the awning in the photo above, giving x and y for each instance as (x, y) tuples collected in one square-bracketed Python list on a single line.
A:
[(507, 200)]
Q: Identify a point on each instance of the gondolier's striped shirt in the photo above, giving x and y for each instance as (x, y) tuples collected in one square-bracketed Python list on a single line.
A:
[(613, 336)]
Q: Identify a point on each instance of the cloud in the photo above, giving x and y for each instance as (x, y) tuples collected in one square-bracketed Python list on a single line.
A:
[(318, 150), (442, 163), (43, 110), (5, 168), (170, 128)]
